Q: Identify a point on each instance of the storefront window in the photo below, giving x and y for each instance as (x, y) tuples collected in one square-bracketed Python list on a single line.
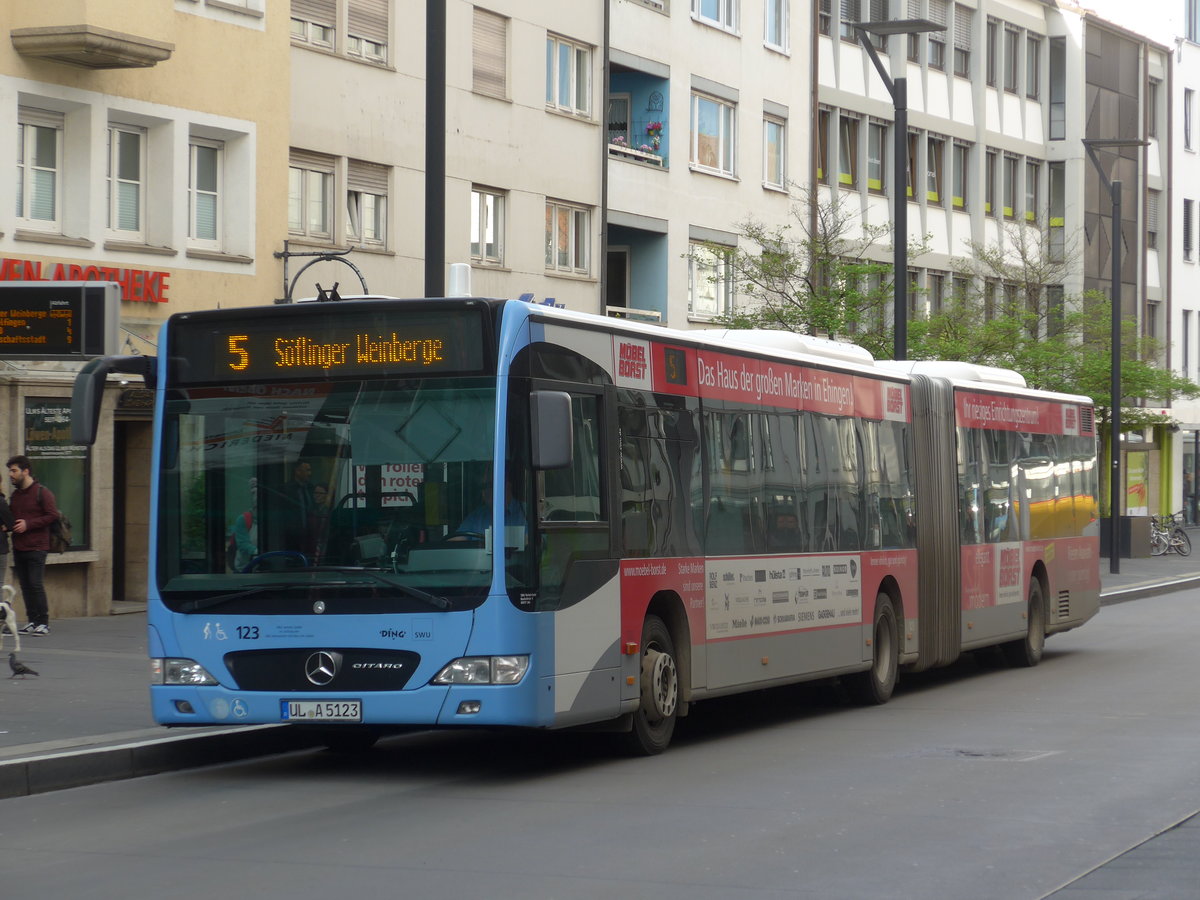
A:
[(59, 464)]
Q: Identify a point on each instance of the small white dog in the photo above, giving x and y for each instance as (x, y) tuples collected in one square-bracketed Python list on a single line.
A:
[(7, 593)]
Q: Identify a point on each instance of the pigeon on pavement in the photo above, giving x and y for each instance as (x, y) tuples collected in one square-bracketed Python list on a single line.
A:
[(18, 667)]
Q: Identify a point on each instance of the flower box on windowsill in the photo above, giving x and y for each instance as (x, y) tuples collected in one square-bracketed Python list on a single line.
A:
[(626, 152)]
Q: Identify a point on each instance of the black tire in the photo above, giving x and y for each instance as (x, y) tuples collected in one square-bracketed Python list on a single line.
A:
[(654, 721), (1158, 542), (1027, 652), (875, 686), (1181, 543)]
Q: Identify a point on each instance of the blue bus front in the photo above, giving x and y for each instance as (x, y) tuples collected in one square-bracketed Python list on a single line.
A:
[(339, 538)]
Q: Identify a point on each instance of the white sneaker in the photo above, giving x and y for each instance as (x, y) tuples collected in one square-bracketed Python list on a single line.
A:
[(40, 630)]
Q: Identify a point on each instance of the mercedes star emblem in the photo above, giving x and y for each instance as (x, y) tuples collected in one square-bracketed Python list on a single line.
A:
[(322, 667)]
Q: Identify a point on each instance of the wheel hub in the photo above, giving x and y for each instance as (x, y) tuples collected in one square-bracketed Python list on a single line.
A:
[(660, 685)]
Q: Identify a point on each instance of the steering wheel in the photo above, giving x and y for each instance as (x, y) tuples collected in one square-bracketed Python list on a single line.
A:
[(276, 554)]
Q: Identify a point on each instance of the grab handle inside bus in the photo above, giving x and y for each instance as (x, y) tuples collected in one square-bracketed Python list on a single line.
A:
[(550, 413), (88, 393)]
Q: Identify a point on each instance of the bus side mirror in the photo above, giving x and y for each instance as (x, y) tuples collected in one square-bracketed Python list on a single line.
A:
[(88, 392), (550, 415)]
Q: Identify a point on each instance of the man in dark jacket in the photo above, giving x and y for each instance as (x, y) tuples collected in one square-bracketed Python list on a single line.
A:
[(34, 510)]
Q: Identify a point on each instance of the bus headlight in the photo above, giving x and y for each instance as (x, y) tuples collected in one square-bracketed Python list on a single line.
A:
[(179, 671), (483, 670)]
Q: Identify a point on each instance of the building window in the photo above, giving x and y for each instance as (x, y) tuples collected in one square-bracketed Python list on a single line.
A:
[(914, 143), (1055, 310), (1192, 25), (992, 50), (1009, 187), (123, 180), (489, 54), (310, 196), (367, 29), (568, 76), (961, 175), (774, 151), (39, 166), (962, 40), (775, 26), (960, 289), (989, 301), (568, 237), (710, 281), (823, 121), (914, 40), (722, 13), (487, 227), (1058, 88), (205, 159), (1012, 58), (878, 13), (937, 292), (1187, 118), (876, 156), (366, 203), (1187, 343), (825, 17), (1152, 200), (1033, 62), (914, 288), (851, 12), (847, 151), (1057, 248), (939, 15), (935, 160), (989, 183), (313, 22), (1152, 91), (1188, 232), (1033, 169), (712, 137)]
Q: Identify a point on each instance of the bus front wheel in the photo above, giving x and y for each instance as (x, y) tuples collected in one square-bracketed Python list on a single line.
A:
[(875, 686), (654, 721), (1027, 652)]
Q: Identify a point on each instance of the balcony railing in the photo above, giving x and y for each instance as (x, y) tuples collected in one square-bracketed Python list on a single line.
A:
[(626, 152)]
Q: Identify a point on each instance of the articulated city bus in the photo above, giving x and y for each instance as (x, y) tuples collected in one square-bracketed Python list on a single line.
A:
[(469, 512)]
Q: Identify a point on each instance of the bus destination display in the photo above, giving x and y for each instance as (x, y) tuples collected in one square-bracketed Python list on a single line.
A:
[(352, 344)]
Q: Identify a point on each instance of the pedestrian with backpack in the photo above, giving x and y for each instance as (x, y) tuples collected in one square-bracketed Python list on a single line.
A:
[(34, 510)]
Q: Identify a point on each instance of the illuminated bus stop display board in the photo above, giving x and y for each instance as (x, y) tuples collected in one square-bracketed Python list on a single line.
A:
[(339, 343), (58, 320)]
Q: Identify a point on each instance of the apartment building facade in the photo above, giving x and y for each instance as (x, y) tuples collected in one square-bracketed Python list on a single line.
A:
[(148, 143)]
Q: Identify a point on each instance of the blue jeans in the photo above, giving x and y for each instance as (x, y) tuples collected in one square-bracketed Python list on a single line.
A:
[(30, 566)]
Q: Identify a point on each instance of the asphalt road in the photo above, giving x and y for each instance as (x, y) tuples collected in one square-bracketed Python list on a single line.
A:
[(973, 782)]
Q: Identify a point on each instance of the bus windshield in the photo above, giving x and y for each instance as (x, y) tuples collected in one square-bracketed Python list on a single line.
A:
[(360, 495)]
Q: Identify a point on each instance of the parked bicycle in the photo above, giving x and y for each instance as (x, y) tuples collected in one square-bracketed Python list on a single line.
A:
[(1168, 536)]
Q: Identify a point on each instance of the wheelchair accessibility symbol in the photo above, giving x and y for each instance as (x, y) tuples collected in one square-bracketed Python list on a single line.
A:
[(239, 709)]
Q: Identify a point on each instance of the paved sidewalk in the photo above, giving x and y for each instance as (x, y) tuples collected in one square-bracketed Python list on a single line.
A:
[(86, 719)]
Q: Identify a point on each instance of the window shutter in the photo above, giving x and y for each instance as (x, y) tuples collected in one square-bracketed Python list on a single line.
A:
[(368, 19), (939, 15), (962, 27), (914, 9), (489, 74), (323, 12), (370, 178), (1152, 210), (306, 159)]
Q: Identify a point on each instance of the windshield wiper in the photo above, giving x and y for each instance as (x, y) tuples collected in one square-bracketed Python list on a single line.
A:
[(222, 599), (407, 589)]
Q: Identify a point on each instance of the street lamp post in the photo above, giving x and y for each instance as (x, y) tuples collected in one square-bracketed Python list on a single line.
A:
[(898, 89), (1114, 484)]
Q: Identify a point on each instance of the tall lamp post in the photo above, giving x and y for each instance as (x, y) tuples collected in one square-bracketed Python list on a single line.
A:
[(1118, 244), (898, 89)]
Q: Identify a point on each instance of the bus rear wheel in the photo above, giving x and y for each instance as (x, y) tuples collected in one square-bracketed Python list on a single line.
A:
[(875, 686), (1027, 652), (654, 721)]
